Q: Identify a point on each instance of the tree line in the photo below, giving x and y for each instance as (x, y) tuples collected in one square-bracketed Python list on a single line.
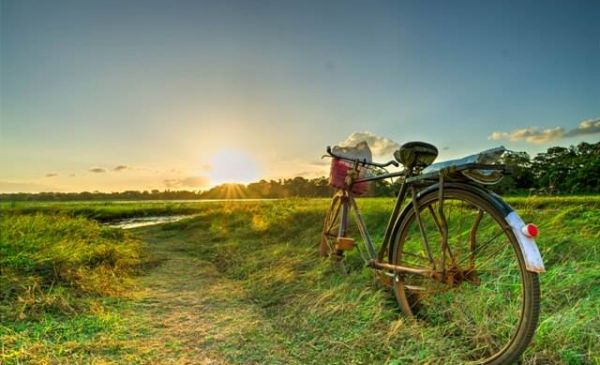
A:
[(559, 170)]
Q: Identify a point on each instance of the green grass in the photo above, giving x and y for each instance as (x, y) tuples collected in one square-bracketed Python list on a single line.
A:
[(57, 274), (265, 296), (111, 210), (105, 211)]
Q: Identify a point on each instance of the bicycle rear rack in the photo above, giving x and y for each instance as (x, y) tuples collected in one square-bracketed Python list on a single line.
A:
[(451, 171)]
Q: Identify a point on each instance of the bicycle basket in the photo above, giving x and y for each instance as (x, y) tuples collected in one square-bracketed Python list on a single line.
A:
[(339, 172)]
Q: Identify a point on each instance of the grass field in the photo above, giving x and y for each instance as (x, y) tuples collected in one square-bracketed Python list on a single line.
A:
[(241, 282)]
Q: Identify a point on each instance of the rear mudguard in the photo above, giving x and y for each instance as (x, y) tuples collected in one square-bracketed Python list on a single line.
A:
[(529, 250)]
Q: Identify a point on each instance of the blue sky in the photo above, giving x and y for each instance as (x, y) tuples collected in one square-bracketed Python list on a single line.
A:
[(172, 91)]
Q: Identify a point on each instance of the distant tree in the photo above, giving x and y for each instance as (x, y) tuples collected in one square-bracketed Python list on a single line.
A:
[(568, 170), (383, 188), (585, 176), (521, 177), (564, 170)]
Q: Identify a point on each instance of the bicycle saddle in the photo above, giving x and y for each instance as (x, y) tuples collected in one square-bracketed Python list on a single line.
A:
[(416, 154)]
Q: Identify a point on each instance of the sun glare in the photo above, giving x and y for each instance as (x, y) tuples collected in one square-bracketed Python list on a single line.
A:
[(233, 166)]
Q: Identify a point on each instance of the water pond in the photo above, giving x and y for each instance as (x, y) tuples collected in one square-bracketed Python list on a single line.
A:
[(137, 222)]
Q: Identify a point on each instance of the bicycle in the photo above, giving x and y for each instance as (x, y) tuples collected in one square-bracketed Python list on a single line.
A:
[(456, 255)]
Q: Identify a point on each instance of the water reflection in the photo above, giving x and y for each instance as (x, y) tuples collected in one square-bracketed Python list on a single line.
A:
[(136, 222)]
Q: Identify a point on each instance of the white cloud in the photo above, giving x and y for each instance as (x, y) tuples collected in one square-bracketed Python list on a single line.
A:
[(531, 135), (589, 126), (539, 136), (380, 146)]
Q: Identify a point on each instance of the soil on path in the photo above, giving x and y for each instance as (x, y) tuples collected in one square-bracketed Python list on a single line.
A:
[(190, 313)]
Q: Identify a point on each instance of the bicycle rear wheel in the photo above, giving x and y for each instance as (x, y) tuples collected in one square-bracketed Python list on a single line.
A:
[(479, 296)]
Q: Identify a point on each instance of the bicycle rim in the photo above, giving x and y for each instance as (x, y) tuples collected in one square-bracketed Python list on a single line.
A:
[(482, 300), (331, 226)]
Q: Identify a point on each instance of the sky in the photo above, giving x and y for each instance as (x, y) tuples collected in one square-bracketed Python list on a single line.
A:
[(118, 95)]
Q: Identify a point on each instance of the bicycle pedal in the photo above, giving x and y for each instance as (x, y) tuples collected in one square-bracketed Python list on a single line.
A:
[(344, 243)]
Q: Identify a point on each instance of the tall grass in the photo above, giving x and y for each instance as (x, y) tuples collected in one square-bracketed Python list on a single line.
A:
[(62, 275), (322, 316), (56, 272), (103, 211)]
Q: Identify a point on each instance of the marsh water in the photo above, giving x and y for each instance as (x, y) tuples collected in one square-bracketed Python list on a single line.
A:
[(136, 222)]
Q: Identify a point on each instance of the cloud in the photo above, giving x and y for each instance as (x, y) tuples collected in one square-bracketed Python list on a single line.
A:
[(97, 170), (121, 168), (531, 135), (380, 146), (187, 182), (51, 174), (590, 126), (539, 136)]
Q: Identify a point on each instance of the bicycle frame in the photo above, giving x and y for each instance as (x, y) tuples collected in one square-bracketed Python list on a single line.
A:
[(430, 181), (376, 259)]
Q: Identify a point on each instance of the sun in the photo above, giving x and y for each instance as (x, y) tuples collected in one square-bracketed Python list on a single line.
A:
[(233, 166)]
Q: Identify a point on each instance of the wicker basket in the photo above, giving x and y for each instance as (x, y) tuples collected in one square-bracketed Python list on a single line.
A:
[(339, 171)]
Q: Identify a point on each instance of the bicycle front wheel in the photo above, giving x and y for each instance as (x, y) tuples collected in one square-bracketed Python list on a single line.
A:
[(478, 295), (331, 227)]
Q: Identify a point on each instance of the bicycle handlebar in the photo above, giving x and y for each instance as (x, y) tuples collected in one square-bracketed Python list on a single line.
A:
[(364, 162)]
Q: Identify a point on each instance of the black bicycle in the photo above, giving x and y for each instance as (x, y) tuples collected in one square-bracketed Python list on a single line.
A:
[(455, 254)]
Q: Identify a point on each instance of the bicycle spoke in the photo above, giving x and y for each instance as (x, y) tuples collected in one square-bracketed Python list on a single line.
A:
[(479, 295), (425, 241), (438, 224), (334, 218), (473, 237), (481, 247), (492, 257)]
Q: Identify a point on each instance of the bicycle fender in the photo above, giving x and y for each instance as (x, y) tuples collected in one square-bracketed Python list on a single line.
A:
[(529, 249), (527, 246)]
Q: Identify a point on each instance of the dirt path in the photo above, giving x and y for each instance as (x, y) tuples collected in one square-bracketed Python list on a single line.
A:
[(192, 313)]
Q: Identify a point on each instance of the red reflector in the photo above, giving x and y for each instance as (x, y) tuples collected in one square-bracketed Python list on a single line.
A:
[(530, 230)]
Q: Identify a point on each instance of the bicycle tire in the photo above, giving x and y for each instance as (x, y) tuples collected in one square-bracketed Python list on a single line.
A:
[(330, 226), (411, 298)]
